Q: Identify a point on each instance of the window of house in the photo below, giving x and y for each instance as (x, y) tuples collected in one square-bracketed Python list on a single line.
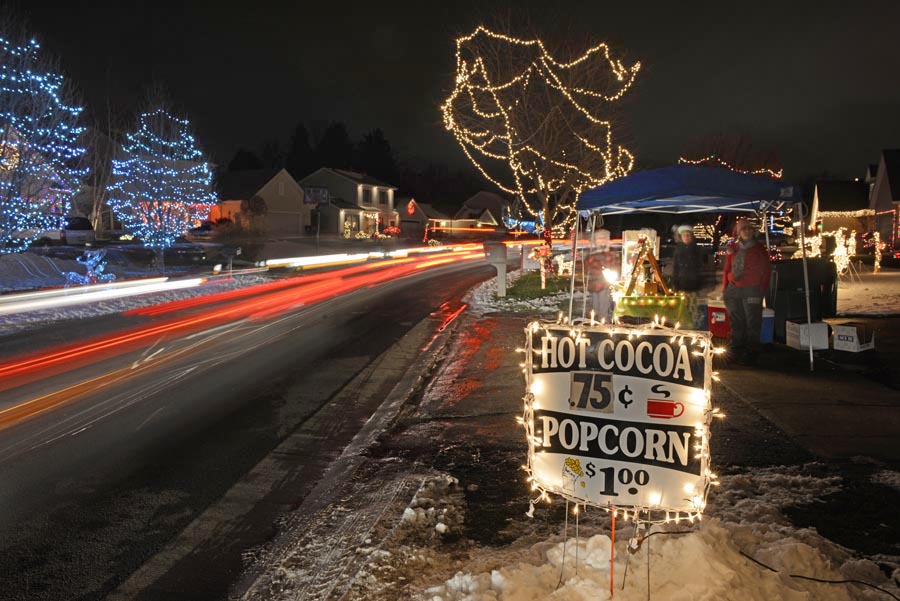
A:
[(367, 196), (382, 197), (280, 188)]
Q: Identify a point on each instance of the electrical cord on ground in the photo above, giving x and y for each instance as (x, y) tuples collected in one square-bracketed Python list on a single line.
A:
[(771, 569), (802, 577)]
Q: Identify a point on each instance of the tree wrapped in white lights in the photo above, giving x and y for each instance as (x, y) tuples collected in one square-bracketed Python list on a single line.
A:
[(40, 158), (161, 186), (535, 126)]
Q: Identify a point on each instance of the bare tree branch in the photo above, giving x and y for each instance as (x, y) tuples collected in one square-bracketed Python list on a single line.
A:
[(535, 125)]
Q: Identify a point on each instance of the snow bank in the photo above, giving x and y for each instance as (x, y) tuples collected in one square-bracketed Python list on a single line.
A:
[(708, 562), (870, 294), (29, 271), (437, 505), (482, 299)]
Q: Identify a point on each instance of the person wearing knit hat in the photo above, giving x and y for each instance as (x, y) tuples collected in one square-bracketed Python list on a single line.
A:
[(687, 266), (745, 283)]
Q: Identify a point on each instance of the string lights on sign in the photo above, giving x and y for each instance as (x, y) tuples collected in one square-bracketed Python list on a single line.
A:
[(40, 154), (539, 116), (161, 186), (562, 458)]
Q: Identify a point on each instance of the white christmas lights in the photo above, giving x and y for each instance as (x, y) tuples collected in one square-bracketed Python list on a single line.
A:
[(849, 214), (715, 160), (555, 149), (651, 510)]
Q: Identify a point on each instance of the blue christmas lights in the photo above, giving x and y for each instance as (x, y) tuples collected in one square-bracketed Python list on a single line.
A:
[(39, 150), (161, 186)]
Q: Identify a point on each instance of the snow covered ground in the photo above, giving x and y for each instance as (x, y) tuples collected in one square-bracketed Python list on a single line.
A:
[(870, 294), (28, 271), (712, 560)]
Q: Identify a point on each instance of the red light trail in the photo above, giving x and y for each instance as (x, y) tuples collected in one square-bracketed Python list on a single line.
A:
[(256, 303)]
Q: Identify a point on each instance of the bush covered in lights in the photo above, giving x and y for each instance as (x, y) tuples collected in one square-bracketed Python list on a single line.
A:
[(40, 158), (161, 185)]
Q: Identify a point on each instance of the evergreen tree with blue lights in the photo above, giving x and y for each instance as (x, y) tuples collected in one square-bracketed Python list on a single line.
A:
[(41, 161), (161, 184)]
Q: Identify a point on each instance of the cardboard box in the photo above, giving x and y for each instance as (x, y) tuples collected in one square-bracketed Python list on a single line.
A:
[(853, 337), (798, 335)]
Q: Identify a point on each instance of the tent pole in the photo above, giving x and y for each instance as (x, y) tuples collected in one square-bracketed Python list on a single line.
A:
[(806, 284), (574, 262), (584, 275)]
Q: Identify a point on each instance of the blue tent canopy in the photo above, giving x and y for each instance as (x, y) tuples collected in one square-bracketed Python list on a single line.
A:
[(688, 189)]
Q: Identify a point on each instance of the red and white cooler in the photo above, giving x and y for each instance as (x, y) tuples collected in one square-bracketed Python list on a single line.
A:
[(717, 319)]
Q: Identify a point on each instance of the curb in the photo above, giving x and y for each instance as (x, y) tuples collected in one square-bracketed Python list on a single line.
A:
[(275, 467), (352, 456)]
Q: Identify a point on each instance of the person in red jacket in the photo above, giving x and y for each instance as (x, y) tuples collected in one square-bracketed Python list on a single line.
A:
[(745, 283)]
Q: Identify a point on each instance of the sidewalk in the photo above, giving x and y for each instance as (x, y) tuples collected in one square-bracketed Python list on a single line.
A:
[(832, 412)]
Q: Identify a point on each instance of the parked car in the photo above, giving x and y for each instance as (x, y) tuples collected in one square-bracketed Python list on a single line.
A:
[(204, 231), (71, 230)]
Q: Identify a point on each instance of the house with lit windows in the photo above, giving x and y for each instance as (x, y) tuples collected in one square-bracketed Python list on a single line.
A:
[(355, 201)]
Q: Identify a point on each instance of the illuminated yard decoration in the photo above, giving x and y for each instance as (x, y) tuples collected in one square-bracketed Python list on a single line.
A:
[(161, 184), (40, 158), (619, 416), (713, 160), (518, 110)]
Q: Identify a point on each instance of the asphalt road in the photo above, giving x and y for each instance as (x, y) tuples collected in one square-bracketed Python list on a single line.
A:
[(92, 489)]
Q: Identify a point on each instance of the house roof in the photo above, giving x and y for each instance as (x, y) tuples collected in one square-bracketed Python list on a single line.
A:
[(343, 204), (430, 211), (842, 195), (242, 185), (872, 171), (361, 178), (475, 206), (892, 171)]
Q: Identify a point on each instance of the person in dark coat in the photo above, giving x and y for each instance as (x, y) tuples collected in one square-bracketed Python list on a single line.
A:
[(745, 283), (687, 272), (687, 262)]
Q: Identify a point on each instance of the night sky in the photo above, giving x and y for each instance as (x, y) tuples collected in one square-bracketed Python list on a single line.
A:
[(817, 82)]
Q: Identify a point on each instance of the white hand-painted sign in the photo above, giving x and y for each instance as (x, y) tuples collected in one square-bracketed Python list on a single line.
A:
[(619, 415)]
